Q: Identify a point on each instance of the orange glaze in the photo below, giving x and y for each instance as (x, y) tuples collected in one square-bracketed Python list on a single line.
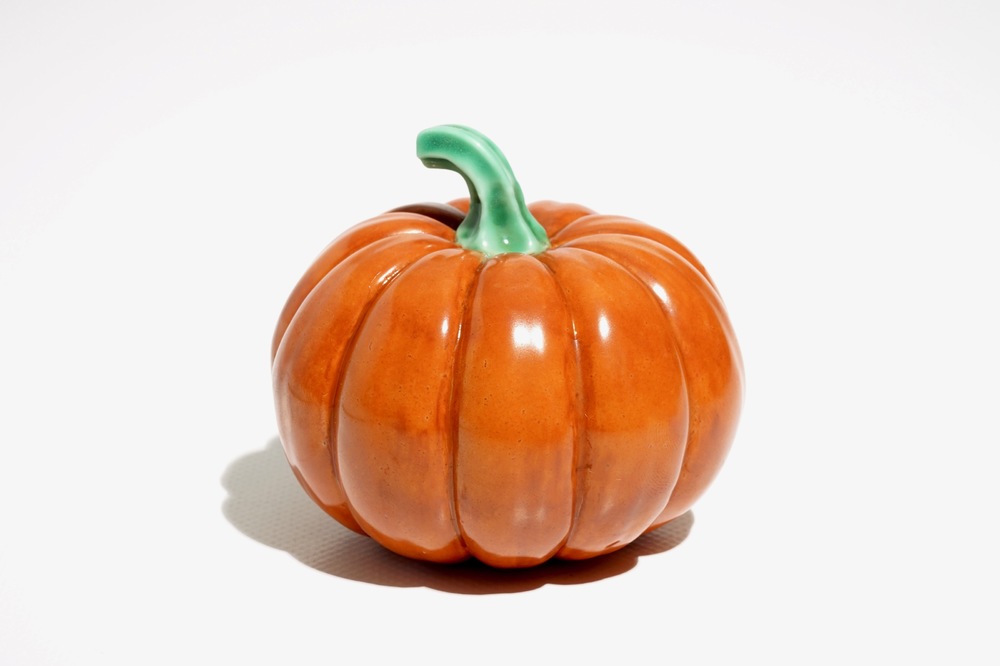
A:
[(513, 408)]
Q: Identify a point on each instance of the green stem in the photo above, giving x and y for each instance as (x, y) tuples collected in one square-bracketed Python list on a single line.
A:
[(498, 220)]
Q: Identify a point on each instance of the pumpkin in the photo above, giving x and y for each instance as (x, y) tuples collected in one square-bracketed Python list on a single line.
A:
[(505, 382)]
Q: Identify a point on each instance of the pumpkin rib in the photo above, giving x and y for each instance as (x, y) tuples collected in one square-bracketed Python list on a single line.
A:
[(517, 415), (626, 226), (318, 270), (611, 429), (579, 426), (458, 369), (690, 487), (683, 493), (393, 446), (309, 358), (672, 325), (555, 215), (276, 344), (338, 376)]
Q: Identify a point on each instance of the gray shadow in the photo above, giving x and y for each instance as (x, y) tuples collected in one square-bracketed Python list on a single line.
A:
[(267, 504)]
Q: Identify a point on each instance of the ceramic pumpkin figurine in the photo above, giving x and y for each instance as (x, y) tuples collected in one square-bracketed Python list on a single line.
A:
[(500, 381)]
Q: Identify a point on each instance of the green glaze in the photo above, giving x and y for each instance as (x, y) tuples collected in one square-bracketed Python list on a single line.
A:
[(498, 220)]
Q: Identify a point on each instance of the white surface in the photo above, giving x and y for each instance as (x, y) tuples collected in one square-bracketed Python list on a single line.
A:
[(166, 174)]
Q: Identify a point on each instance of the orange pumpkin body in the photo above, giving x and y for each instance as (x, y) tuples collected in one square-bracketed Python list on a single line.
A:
[(511, 408)]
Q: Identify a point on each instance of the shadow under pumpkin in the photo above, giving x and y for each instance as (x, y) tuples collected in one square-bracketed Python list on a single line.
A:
[(266, 503)]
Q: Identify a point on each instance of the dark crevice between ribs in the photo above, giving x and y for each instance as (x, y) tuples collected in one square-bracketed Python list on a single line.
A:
[(443, 213)]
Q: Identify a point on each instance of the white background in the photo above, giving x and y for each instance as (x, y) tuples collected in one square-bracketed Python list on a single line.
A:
[(168, 170)]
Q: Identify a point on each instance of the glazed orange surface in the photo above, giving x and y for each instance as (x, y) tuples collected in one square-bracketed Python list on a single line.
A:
[(513, 408)]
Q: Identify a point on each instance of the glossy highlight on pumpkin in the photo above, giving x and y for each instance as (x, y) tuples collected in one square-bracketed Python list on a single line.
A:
[(511, 407)]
